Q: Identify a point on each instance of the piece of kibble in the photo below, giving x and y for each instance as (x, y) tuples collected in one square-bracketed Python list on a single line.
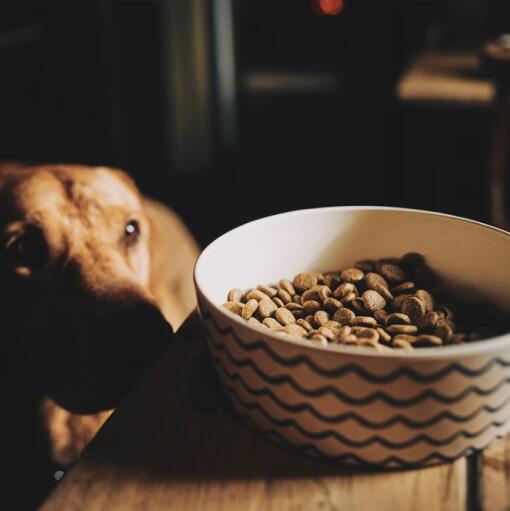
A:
[(403, 341), (383, 335), (351, 275), (250, 308), (284, 296), (332, 304), (397, 318), (426, 298), (345, 331), (373, 301), (368, 333), (319, 337), (278, 301), (272, 324), (414, 308), (284, 316), (268, 290), (256, 294), (347, 299), (428, 321), (304, 324), (266, 307), (374, 280), (235, 307), (405, 287), (333, 325), (311, 294), (396, 303), (327, 333), (344, 289), (287, 286), (444, 329), (311, 307), (304, 281), (391, 272), (401, 329), (344, 316), (384, 292), (324, 293), (234, 295), (321, 317), (348, 339), (391, 303), (364, 321), (427, 340), (380, 316)]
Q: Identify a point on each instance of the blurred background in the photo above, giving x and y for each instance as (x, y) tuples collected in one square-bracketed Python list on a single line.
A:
[(229, 110)]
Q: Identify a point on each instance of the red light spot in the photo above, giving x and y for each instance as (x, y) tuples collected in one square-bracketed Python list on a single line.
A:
[(331, 7)]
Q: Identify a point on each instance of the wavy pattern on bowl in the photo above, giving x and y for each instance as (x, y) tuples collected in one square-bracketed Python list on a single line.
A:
[(377, 427)]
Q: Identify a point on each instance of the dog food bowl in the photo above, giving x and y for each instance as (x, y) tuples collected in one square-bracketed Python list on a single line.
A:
[(356, 405)]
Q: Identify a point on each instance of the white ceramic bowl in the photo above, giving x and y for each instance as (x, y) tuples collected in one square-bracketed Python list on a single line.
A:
[(353, 404)]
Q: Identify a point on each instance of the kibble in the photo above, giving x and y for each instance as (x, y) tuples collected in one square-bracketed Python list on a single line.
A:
[(397, 318), (384, 304), (266, 307), (256, 294), (321, 317), (344, 290), (272, 324), (235, 295), (284, 316), (284, 295), (304, 281), (344, 316), (268, 290), (373, 301), (351, 275), (249, 309), (311, 307)]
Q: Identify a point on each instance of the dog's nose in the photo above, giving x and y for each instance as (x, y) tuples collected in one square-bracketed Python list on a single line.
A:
[(139, 322)]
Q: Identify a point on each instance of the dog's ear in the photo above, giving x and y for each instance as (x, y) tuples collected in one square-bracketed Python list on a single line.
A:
[(173, 253), (8, 170)]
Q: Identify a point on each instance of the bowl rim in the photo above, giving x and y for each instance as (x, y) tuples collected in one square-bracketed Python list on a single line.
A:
[(442, 352)]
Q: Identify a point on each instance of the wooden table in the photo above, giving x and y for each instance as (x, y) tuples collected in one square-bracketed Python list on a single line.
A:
[(173, 444)]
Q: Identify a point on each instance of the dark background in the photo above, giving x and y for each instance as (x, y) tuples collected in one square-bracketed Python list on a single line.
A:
[(233, 110), (309, 116)]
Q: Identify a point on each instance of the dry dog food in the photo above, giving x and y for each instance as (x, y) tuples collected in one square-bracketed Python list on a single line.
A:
[(388, 303)]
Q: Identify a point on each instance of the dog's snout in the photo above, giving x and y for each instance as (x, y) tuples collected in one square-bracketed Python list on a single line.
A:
[(141, 320)]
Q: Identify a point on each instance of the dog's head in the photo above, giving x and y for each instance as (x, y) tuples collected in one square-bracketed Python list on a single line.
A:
[(74, 274)]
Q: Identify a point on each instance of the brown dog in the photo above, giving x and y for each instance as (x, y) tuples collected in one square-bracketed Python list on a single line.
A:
[(91, 275)]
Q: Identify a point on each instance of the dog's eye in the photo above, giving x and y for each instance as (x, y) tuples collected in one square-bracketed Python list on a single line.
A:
[(27, 249), (132, 231)]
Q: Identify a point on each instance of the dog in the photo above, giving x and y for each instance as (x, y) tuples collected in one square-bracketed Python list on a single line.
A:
[(94, 278)]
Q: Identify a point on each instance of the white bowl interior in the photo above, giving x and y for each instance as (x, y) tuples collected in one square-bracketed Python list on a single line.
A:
[(469, 255)]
